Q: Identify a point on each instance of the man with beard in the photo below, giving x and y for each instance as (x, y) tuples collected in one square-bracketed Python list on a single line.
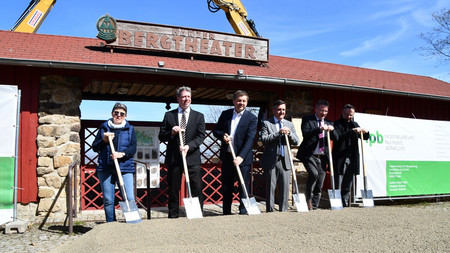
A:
[(345, 151)]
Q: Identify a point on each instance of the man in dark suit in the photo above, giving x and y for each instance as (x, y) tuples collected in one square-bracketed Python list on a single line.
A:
[(237, 126), (275, 160), (313, 151), (345, 151), (195, 133)]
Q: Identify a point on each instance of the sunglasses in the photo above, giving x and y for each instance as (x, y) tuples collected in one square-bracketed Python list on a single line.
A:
[(121, 114)]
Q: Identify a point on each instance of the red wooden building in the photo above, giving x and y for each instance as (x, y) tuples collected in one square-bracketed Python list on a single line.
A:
[(38, 62)]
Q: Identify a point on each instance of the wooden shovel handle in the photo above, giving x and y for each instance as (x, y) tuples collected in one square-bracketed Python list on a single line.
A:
[(116, 162), (238, 170), (185, 167), (330, 157), (294, 173), (362, 154), (183, 155)]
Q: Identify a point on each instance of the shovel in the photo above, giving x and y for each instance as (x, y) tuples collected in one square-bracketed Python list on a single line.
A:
[(367, 195), (129, 209), (192, 205), (299, 198), (250, 204), (335, 195)]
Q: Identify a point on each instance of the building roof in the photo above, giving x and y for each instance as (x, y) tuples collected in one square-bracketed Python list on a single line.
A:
[(89, 53)]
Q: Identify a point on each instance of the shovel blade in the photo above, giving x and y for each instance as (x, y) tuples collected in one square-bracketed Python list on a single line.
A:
[(367, 197), (335, 199), (251, 206), (300, 202), (130, 212), (193, 208)]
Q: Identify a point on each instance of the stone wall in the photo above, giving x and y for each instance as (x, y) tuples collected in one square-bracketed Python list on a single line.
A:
[(299, 103), (58, 140)]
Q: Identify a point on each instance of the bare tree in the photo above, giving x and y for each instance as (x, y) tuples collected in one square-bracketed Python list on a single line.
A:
[(214, 113), (438, 41), (211, 146)]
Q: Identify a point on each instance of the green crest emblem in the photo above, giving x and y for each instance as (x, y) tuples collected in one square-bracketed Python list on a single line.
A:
[(107, 28)]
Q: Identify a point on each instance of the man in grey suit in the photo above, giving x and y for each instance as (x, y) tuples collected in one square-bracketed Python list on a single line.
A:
[(275, 160)]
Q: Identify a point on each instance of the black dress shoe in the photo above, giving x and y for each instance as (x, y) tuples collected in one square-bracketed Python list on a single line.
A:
[(309, 204), (173, 216)]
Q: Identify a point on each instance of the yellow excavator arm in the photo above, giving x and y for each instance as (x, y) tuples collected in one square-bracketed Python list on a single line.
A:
[(37, 11), (236, 15), (33, 16)]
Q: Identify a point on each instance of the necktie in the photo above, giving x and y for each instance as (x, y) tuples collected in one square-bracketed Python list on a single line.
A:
[(281, 143), (321, 142), (183, 125)]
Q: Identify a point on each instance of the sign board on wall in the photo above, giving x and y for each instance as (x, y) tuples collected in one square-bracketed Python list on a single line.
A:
[(8, 103), (148, 153), (145, 36), (405, 157)]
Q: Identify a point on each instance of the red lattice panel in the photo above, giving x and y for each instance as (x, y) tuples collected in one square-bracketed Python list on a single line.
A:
[(91, 193)]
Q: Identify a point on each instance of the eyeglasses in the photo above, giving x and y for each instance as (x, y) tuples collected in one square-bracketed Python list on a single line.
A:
[(121, 114)]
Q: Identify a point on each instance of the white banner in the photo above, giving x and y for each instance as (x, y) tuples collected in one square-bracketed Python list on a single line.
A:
[(405, 157), (8, 103)]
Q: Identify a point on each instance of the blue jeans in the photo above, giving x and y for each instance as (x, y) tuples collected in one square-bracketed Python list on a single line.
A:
[(107, 182)]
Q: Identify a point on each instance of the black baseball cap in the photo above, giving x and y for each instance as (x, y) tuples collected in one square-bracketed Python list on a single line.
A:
[(121, 106)]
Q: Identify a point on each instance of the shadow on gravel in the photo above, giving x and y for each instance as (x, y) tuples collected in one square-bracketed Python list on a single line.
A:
[(78, 229), (63, 229)]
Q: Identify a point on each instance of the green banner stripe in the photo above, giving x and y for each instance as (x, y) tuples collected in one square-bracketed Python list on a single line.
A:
[(7, 206), (6, 182), (417, 177)]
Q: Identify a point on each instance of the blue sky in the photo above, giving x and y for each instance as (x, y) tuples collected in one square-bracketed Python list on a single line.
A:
[(378, 34)]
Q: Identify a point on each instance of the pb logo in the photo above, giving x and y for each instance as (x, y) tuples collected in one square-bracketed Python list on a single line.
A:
[(378, 138)]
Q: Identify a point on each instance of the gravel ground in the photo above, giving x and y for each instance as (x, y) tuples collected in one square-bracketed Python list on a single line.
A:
[(41, 239), (410, 228)]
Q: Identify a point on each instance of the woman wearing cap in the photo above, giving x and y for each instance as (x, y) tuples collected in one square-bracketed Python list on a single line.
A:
[(125, 146)]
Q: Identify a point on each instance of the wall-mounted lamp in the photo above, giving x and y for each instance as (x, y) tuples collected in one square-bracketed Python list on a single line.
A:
[(240, 72), (123, 90), (160, 64)]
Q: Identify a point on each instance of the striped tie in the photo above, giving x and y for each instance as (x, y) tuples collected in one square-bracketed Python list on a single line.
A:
[(183, 125)]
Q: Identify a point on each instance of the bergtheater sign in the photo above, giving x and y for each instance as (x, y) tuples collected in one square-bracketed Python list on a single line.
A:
[(147, 36)]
